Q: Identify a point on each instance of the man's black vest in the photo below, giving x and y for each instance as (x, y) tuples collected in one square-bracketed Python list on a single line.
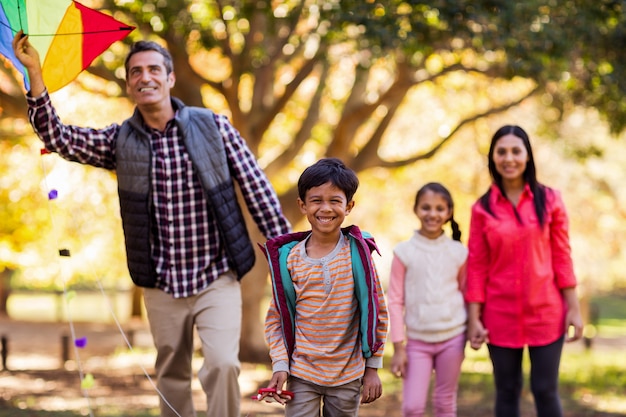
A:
[(205, 146)]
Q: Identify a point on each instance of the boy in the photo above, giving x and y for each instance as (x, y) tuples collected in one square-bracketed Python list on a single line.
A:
[(327, 322)]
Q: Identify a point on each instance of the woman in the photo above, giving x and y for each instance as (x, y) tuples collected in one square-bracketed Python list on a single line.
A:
[(520, 277)]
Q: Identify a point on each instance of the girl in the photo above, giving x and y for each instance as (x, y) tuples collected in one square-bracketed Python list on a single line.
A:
[(426, 306), (520, 278)]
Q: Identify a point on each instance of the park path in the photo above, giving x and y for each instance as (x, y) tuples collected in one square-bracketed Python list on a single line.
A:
[(43, 374)]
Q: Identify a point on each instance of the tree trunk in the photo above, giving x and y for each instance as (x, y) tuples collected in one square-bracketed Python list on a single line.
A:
[(253, 292), (589, 313), (136, 306), (5, 289)]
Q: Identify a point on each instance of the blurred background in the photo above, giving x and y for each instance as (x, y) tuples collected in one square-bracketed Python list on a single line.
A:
[(404, 92)]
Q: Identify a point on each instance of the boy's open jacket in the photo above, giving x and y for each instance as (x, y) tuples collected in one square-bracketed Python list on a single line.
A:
[(362, 245)]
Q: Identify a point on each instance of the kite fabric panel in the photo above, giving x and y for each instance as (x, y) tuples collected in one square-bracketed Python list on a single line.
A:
[(67, 35)]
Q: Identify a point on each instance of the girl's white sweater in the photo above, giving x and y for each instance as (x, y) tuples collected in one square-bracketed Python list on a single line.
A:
[(434, 308)]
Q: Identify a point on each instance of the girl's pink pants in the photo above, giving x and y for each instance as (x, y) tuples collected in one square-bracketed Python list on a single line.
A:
[(445, 359)]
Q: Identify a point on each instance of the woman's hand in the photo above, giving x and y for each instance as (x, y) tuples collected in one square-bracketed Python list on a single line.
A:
[(573, 318), (476, 332)]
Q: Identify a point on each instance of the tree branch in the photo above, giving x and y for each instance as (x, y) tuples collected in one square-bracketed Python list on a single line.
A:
[(225, 42), (304, 72), (106, 74), (430, 153), (188, 81), (368, 155), (13, 106), (356, 112), (304, 133)]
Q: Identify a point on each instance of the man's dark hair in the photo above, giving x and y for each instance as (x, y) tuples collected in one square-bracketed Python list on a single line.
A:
[(142, 46)]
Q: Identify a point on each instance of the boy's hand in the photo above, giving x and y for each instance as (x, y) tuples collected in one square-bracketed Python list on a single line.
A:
[(372, 387), (277, 382)]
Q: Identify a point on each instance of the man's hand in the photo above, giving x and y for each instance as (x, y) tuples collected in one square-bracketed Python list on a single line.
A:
[(29, 57), (25, 52)]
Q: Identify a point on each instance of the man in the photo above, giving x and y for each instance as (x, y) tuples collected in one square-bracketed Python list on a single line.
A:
[(185, 236)]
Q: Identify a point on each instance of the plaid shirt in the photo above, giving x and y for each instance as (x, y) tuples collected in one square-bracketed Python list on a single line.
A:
[(186, 246)]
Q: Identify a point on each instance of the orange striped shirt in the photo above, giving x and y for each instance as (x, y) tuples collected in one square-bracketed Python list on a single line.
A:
[(327, 348)]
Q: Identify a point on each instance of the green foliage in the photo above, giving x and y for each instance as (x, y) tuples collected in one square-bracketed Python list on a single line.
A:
[(571, 47), (263, 58)]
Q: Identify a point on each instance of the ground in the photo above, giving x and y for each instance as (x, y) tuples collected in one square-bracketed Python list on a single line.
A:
[(43, 376), (43, 373)]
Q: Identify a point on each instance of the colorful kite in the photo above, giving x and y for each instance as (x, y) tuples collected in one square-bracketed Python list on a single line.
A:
[(67, 35)]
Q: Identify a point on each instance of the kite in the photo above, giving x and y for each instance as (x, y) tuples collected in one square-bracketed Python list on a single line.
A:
[(67, 35)]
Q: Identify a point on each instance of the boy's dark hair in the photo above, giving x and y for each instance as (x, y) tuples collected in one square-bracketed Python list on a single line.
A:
[(142, 46), (331, 170)]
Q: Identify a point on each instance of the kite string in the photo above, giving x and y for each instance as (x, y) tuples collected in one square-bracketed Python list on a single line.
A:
[(48, 191), (130, 346), (19, 13), (81, 374), (52, 193), (22, 15), (87, 32)]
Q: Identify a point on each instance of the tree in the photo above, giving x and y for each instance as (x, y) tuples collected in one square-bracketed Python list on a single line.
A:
[(303, 79)]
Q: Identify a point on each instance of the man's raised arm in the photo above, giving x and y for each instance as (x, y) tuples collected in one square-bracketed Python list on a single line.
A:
[(29, 57)]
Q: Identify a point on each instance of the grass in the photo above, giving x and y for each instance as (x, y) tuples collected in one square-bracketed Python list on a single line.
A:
[(16, 412), (608, 314), (592, 381), (592, 385)]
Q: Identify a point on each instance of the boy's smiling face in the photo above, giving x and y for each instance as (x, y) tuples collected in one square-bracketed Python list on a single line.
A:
[(325, 207)]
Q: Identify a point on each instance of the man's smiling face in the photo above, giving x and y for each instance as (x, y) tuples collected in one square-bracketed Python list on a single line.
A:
[(147, 81)]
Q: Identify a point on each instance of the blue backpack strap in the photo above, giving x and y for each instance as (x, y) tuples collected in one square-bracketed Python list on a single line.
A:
[(277, 250), (361, 247), (290, 295)]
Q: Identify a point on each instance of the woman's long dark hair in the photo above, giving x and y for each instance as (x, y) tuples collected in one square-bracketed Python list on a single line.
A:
[(529, 175)]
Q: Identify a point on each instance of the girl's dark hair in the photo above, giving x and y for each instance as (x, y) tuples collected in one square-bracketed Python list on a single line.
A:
[(529, 175), (143, 46), (438, 188), (331, 170)]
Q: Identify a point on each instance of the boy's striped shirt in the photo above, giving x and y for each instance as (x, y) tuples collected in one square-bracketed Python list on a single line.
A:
[(327, 351)]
